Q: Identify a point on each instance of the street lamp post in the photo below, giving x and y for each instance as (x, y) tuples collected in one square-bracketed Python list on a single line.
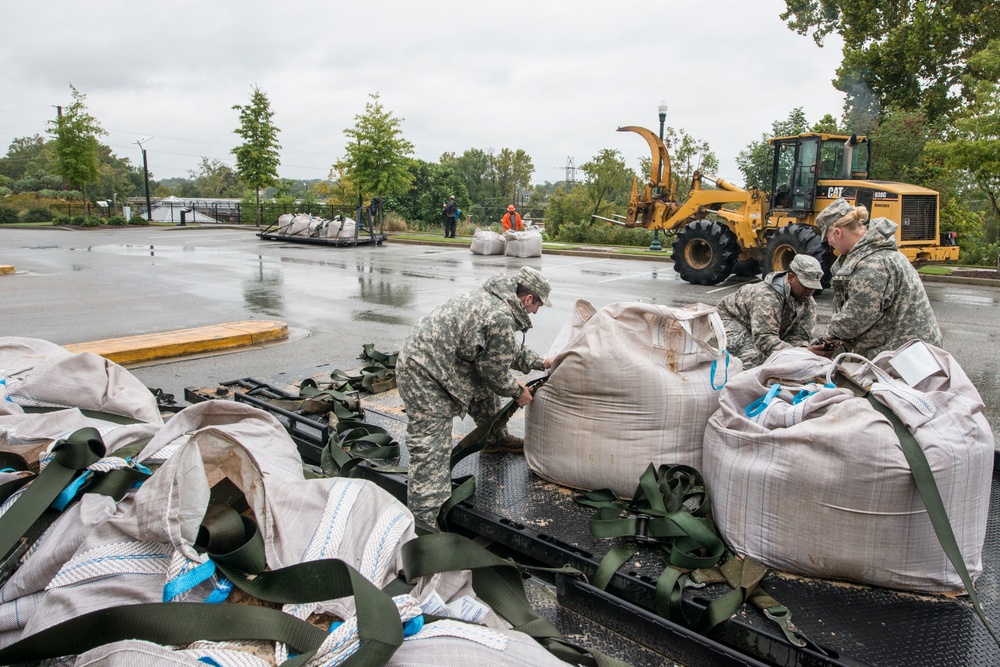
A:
[(145, 171), (662, 109)]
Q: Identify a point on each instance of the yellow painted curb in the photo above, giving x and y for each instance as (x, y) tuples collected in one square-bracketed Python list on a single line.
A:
[(6, 268), (148, 347)]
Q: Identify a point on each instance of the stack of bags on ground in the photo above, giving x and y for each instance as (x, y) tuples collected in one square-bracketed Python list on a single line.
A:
[(157, 543), (805, 475), (514, 244), (309, 226)]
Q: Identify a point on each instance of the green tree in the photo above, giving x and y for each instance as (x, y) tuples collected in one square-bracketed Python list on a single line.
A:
[(76, 147), (431, 185), (972, 145), (567, 208), (756, 161), (24, 156), (215, 178), (511, 170), (473, 169), (257, 157), (377, 156), (608, 181), (688, 155), (911, 55)]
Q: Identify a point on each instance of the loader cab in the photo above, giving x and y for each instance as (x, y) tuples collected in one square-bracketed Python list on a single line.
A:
[(801, 161)]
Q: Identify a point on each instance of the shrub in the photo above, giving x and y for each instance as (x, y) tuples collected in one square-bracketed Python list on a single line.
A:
[(117, 221), (8, 214), (61, 219), (77, 220), (37, 214), (138, 220), (5, 191), (90, 221), (393, 222)]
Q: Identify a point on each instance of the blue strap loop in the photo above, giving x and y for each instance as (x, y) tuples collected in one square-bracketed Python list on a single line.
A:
[(726, 378), (761, 403), (69, 493), (188, 580)]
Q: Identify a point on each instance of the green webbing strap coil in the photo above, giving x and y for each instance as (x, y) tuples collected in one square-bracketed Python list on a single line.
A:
[(671, 508), (81, 449), (499, 584), (927, 487)]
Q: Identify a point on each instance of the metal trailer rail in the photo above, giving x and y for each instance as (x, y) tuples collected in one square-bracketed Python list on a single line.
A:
[(373, 239), (538, 523)]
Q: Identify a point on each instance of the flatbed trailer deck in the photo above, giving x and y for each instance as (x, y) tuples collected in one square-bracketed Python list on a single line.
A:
[(537, 522)]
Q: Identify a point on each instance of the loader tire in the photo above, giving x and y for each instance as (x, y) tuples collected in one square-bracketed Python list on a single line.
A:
[(792, 240), (705, 252), (747, 267)]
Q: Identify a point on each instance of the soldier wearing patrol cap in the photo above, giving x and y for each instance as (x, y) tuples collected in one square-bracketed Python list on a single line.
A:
[(776, 313), (879, 302), (458, 360)]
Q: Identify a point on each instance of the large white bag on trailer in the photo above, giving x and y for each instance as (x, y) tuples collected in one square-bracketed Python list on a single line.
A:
[(317, 228), (333, 228), (523, 244), (348, 229), (813, 480), (486, 242), (284, 221), (299, 226), (635, 384)]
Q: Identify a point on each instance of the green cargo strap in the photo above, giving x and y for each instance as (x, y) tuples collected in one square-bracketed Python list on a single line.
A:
[(241, 558), (670, 509), (92, 414), (11, 461), (314, 400), (354, 441), (498, 583), (387, 360), (477, 439), (81, 449), (174, 623), (927, 487)]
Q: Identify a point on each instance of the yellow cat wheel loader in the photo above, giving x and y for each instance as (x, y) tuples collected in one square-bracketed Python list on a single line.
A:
[(726, 229)]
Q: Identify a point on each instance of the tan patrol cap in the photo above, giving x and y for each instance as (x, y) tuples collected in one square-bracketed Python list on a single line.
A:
[(831, 214), (808, 270), (536, 283)]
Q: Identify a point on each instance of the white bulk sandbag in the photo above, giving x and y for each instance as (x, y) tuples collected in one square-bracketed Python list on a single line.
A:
[(299, 226), (486, 242), (284, 221), (523, 244), (333, 228), (817, 483), (347, 229), (37, 373), (634, 385), (317, 228)]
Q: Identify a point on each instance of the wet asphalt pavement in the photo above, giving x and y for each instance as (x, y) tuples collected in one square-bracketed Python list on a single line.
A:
[(75, 286)]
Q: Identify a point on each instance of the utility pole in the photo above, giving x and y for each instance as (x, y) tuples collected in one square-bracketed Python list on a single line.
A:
[(145, 171), (662, 109)]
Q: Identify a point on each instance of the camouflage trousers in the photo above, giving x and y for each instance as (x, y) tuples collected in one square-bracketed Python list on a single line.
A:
[(740, 344), (431, 412)]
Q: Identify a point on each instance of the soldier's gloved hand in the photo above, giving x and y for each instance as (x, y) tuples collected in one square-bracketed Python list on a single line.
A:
[(524, 398)]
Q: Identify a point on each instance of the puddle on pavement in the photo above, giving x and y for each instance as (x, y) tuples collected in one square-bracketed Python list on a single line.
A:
[(964, 297), (379, 318)]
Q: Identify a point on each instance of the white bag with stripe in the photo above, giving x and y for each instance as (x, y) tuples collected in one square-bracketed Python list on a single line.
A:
[(814, 481), (635, 384)]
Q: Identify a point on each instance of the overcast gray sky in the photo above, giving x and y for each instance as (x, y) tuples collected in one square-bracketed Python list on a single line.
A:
[(555, 78)]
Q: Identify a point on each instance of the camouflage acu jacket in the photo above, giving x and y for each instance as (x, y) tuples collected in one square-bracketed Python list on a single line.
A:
[(879, 300), (471, 342), (771, 314)]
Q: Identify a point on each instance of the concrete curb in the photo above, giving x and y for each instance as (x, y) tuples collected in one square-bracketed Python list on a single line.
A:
[(960, 280), (149, 347)]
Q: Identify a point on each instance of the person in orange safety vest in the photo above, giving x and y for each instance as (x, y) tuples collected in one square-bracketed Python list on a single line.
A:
[(512, 220)]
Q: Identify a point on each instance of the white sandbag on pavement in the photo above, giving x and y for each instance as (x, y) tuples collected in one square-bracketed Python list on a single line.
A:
[(635, 385), (523, 244), (814, 481), (486, 242)]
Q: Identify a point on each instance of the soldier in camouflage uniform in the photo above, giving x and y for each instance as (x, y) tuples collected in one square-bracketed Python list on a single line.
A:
[(879, 300), (458, 359), (774, 314)]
